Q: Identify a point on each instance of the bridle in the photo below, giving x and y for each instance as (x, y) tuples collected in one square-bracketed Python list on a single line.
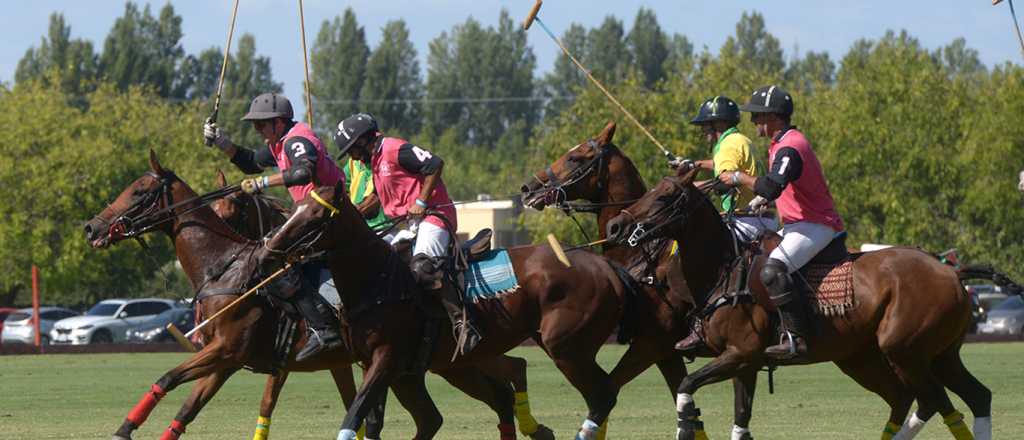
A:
[(555, 187), (676, 210), (302, 244)]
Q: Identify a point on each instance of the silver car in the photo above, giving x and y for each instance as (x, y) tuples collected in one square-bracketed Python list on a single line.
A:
[(1007, 318), (18, 328)]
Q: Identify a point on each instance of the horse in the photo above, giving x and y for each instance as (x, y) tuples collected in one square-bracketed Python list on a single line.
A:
[(217, 260), (908, 316), (599, 173), (569, 311), (252, 216)]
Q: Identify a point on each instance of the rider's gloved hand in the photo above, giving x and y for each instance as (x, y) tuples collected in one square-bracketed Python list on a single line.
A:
[(758, 205), (213, 135), (254, 186), (681, 163)]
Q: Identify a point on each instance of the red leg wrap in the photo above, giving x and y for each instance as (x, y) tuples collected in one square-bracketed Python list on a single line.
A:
[(138, 415), (174, 431), (507, 430)]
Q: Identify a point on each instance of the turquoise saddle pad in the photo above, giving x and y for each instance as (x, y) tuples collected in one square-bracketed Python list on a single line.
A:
[(490, 277)]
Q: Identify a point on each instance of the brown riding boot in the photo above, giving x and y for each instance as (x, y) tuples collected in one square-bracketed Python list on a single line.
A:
[(794, 326), (693, 344), (466, 336)]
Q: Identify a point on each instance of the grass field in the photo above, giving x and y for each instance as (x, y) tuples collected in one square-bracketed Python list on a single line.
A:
[(87, 397)]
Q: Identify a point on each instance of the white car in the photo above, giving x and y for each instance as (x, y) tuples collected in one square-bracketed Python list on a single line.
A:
[(107, 321), (19, 329)]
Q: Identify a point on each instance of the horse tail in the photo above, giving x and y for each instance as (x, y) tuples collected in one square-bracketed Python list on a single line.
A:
[(628, 321)]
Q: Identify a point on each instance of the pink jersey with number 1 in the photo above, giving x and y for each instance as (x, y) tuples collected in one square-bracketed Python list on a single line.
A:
[(398, 188)]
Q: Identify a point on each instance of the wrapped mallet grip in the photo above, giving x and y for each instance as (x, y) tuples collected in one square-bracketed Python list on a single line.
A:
[(533, 14)]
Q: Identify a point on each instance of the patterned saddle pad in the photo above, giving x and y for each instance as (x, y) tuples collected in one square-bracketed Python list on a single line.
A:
[(492, 276), (829, 287)]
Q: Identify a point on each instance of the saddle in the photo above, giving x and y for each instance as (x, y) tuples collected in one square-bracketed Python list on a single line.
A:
[(474, 248), (830, 259)]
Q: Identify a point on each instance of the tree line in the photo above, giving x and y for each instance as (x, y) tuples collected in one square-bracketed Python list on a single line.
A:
[(921, 146)]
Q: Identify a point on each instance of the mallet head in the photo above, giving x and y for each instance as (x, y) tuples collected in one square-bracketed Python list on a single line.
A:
[(533, 14)]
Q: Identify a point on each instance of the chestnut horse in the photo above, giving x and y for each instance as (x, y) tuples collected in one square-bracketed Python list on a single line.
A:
[(569, 311), (909, 313), (600, 174), (253, 216), (217, 259)]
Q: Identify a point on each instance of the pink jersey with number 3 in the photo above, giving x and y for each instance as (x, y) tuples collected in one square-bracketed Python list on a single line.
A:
[(327, 172), (398, 188)]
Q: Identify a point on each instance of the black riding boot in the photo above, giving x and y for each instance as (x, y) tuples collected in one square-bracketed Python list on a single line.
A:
[(466, 336), (794, 326), (693, 344), (321, 322)]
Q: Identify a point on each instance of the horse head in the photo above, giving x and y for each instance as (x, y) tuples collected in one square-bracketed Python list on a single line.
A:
[(317, 224), (660, 213), (250, 215), (139, 207), (580, 173)]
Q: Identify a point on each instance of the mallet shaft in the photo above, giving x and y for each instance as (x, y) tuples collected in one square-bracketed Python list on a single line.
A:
[(238, 300)]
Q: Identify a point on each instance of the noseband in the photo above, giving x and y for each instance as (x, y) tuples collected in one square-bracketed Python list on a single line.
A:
[(555, 187)]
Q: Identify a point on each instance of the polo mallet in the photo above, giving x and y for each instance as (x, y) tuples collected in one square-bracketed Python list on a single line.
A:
[(1016, 25), (526, 26), (560, 252), (305, 64), (178, 336), (238, 300), (223, 68)]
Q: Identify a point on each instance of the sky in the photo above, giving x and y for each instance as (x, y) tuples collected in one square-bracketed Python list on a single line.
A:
[(803, 25)]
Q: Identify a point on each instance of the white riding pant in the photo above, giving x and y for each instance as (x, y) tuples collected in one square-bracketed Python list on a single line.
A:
[(801, 241), (748, 229), (429, 239)]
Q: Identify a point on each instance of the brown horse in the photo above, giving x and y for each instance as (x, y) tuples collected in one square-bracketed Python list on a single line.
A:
[(570, 312), (598, 173), (217, 261), (909, 313), (253, 216)]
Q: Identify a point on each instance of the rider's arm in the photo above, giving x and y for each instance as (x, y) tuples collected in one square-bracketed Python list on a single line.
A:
[(786, 168), (249, 161), (369, 206), (417, 160), (303, 156)]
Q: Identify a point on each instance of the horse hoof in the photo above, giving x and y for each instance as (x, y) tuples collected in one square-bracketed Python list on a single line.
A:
[(543, 433)]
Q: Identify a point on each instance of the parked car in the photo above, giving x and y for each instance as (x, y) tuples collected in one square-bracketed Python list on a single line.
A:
[(155, 329), (107, 321), (18, 327), (988, 296), (1007, 318), (4, 311)]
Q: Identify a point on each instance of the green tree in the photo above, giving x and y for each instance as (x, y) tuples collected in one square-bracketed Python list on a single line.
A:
[(649, 46), (338, 60), (959, 59), (680, 54), (393, 86), (758, 49), (561, 84), (608, 56), (73, 60), (141, 49), (815, 69)]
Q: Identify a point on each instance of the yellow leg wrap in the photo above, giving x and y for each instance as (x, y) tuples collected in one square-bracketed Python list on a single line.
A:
[(890, 431), (603, 431), (262, 428), (955, 422), (700, 435), (361, 434), (527, 424)]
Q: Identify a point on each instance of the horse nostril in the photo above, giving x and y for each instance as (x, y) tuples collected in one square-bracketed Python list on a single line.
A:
[(614, 229), (524, 189), (88, 231)]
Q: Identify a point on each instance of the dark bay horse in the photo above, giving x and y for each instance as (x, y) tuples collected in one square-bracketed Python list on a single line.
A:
[(215, 258), (909, 316), (570, 312), (600, 174), (253, 216)]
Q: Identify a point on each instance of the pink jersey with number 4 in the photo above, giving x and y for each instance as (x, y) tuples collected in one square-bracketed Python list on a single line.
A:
[(398, 188), (327, 172)]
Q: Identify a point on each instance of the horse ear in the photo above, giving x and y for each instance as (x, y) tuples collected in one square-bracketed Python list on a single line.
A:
[(607, 134), (221, 180), (687, 177), (154, 163)]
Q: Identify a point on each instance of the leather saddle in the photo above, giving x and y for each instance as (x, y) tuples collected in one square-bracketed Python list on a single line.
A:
[(475, 248), (833, 254)]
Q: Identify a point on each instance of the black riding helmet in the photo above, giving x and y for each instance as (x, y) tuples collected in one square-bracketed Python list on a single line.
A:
[(351, 129), (269, 106), (770, 99), (719, 108)]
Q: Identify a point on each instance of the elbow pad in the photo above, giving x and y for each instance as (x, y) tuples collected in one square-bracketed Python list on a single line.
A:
[(297, 175), (768, 188)]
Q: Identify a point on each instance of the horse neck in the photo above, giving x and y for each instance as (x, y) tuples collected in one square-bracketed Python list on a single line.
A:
[(706, 249), (201, 238), (356, 261), (623, 186)]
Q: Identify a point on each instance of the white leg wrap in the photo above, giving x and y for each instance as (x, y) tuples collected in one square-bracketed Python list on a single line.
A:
[(983, 428), (911, 428), (681, 400), (346, 434), (738, 432), (588, 431)]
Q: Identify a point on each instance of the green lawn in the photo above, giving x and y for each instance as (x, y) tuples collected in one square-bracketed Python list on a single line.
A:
[(87, 397)]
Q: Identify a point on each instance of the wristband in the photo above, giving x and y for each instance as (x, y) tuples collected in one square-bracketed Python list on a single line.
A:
[(265, 182), (735, 178), (421, 203)]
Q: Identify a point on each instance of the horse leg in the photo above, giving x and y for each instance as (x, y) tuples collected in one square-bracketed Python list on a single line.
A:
[(913, 370), (874, 373), (375, 387), (743, 388), (271, 391), (202, 392), (510, 369), (342, 376), (595, 385), (498, 395), (411, 391), (199, 365), (950, 369), (728, 365)]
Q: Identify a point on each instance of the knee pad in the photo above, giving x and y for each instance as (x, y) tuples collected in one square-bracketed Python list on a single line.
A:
[(775, 276)]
